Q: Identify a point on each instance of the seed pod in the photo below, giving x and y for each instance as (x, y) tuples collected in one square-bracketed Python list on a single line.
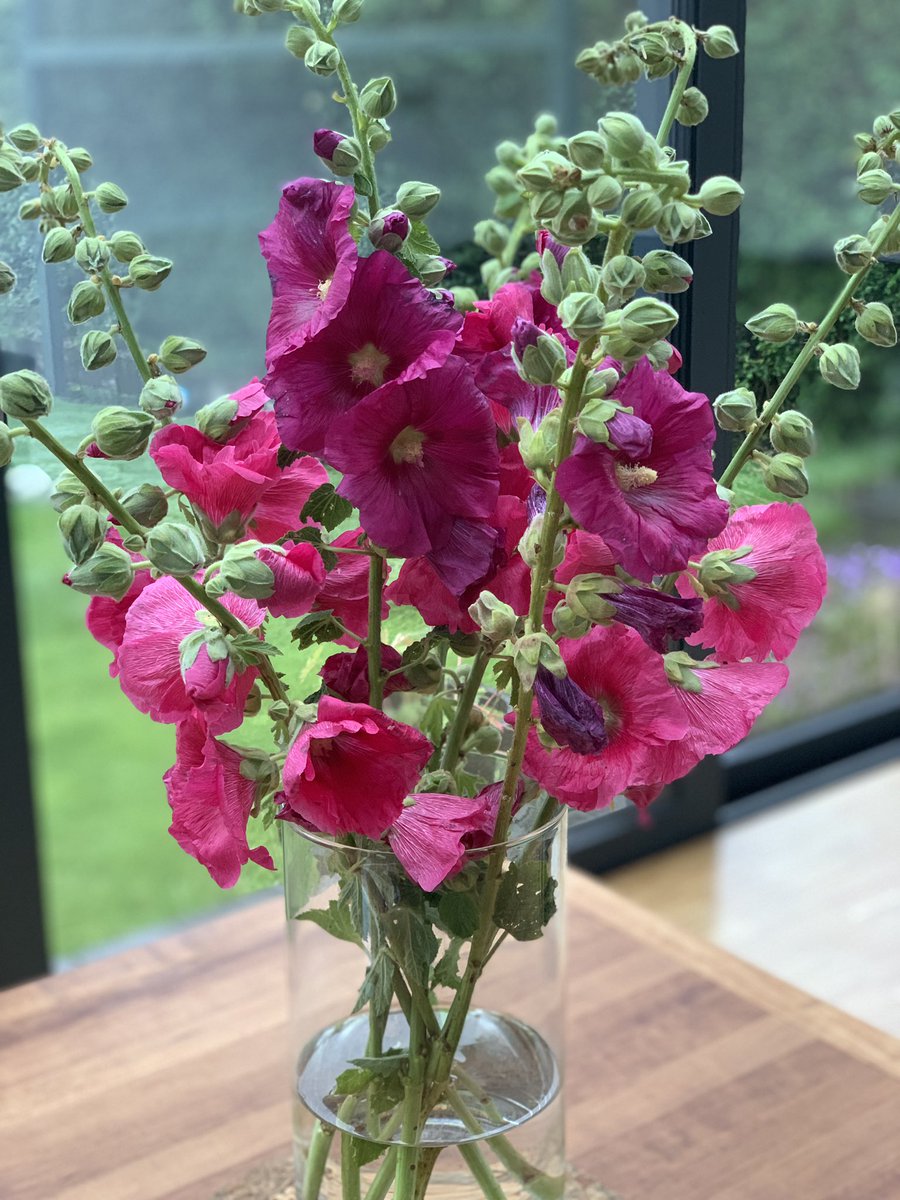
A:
[(86, 301), (25, 395), (59, 245), (179, 354), (839, 366), (98, 349), (110, 198)]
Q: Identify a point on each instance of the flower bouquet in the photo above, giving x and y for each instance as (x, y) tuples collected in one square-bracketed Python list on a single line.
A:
[(501, 510)]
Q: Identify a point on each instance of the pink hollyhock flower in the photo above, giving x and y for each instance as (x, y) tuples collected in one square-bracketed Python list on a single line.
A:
[(311, 258), (211, 802), (347, 675), (417, 457), (389, 328), (429, 835), (299, 575), (156, 624), (238, 485), (249, 399), (657, 513), (767, 614), (615, 668), (346, 588), (350, 771)]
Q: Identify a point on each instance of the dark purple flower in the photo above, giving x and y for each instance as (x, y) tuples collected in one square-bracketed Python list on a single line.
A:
[(657, 616), (569, 714), (524, 334), (390, 231), (543, 241), (536, 502), (326, 141), (632, 437)]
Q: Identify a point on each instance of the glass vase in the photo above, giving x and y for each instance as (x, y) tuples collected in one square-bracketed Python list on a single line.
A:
[(427, 1027)]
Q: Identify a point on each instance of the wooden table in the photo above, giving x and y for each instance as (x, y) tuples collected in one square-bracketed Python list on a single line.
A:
[(162, 1072)]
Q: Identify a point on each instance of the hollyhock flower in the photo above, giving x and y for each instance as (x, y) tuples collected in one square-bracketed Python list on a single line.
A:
[(569, 714), (632, 437), (617, 670), (429, 835), (149, 659), (390, 328), (658, 617), (211, 802), (249, 399), (543, 240), (346, 588), (299, 575), (311, 258), (768, 613), (417, 457), (390, 231), (347, 675), (325, 142), (350, 770), (238, 485), (657, 513)]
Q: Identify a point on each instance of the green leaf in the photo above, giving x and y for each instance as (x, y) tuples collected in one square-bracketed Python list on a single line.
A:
[(458, 913), (446, 971), (316, 627), (504, 674), (386, 1092), (326, 507), (434, 717), (376, 988), (525, 900), (392, 1062), (468, 784), (336, 920), (413, 942), (352, 1081), (248, 649), (363, 184), (420, 240)]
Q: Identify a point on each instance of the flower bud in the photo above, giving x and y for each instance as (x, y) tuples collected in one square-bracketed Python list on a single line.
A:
[(874, 187), (464, 299), (582, 315), (246, 575), (83, 531), (31, 169), (379, 97), (121, 433), (587, 150), (679, 222), (148, 272), (548, 171), (622, 276), (624, 133), (7, 279), (585, 596), (378, 135), (25, 395), (534, 650), (346, 11), (179, 354), (693, 109), (502, 181), (125, 245), (176, 549), (86, 301), (545, 206), (551, 283), (839, 366), (389, 232), (578, 275), (720, 569), (110, 198), (876, 324), (735, 410), (108, 572), (98, 349), (531, 542), (870, 161), (641, 209), (719, 42), (647, 319), (146, 503), (604, 192), (7, 446), (214, 420), (853, 253), (665, 271), (59, 245), (61, 202), (322, 58), (565, 622), (721, 195), (30, 210), (80, 158), (891, 245), (792, 433), (496, 620), (68, 489), (777, 323), (575, 223), (491, 236), (432, 268), (92, 254), (11, 175), (25, 137), (485, 740), (594, 418), (298, 40), (161, 398), (785, 475), (417, 199), (540, 357)]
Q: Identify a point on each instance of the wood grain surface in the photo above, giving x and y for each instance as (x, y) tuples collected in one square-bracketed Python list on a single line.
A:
[(162, 1072)]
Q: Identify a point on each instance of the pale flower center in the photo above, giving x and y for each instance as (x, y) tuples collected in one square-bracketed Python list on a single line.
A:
[(631, 477), (324, 288), (367, 365), (407, 446)]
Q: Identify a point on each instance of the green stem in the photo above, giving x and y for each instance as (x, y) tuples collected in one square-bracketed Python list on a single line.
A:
[(457, 730), (350, 1188), (408, 1154), (316, 1160), (522, 225), (477, 1164), (380, 1185), (681, 81), (798, 366), (373, 634)]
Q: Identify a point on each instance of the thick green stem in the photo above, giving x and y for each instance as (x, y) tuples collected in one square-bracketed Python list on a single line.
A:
[(350, 1187), (316, 1160), (522, 225), (373, 634), (681, 80), (457, 731), (408, 1153), (477, 1164), (384, 1176)]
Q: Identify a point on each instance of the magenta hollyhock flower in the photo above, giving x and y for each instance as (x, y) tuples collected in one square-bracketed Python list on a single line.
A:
[(299, 575), (658, 617), (767, 614), (346, 588), (569, 714), (311, 257), (389, 328), (657, 513), (617, 670), (419, 457), (211, 802), (238, 485), (350, 770), (347, 675), (156, 624), (429, 836), (249, 399)]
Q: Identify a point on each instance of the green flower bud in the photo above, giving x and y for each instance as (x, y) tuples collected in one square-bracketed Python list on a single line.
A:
[(68, 489), (298, 40), (485, 740), (719, 42), (545, 206), (80, 159), (464, 299), (7, 279), (110, 198), (147, 503), (126, 245), (853, 253), (431, 269), (587, 150), (666, 271), (582, 315), (502, 181), (244, 574), (86, 301), (577, 274), (548, 171), (30, 210), (874, 187), (839, 366), (491, 236), (693, 109), (538, 446), (721, 569), (641, 209), (31, 169), (534, 650), (214, 420), (792, 433), (720, 195), (108, 572), (565, 622), (7, 446), (345, 12), (92, 254), (679, 222), (25, 137), (892, 244), (417, 199), (584, 596), (647, 319), (777, 323), (378, 135), (875, 323), (622, 276), (322, 58), (122, 433), (604, 192), (83, 531), (594, 418), (735, 410), (346, 158), (98, 349), (575, 223), (179, 354), (624, 133), (785, 475), (65, 202), (161, 398), (541, 361), (176, 549), (883, 127), (510, 155), (496, 620), (11, 175), (25, 395), (870, 161), (59, 245), (148, 272), (379, 97)]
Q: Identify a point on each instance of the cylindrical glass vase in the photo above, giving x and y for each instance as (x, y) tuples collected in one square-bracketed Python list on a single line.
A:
[(427, 1027)]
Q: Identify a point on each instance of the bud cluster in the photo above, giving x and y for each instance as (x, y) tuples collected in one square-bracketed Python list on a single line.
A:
[(650, 50)]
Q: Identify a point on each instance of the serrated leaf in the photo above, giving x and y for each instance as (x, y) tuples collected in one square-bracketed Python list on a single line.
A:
[(316, 627), (504, 673), (392, 1062), (446, 971), (386, 1093), (352, 1081), (363, 1151), (249, 650), (525, 900), (420, 240), (376, 988), (336, 920), (326, 507), (458, 913), (413, 942)]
